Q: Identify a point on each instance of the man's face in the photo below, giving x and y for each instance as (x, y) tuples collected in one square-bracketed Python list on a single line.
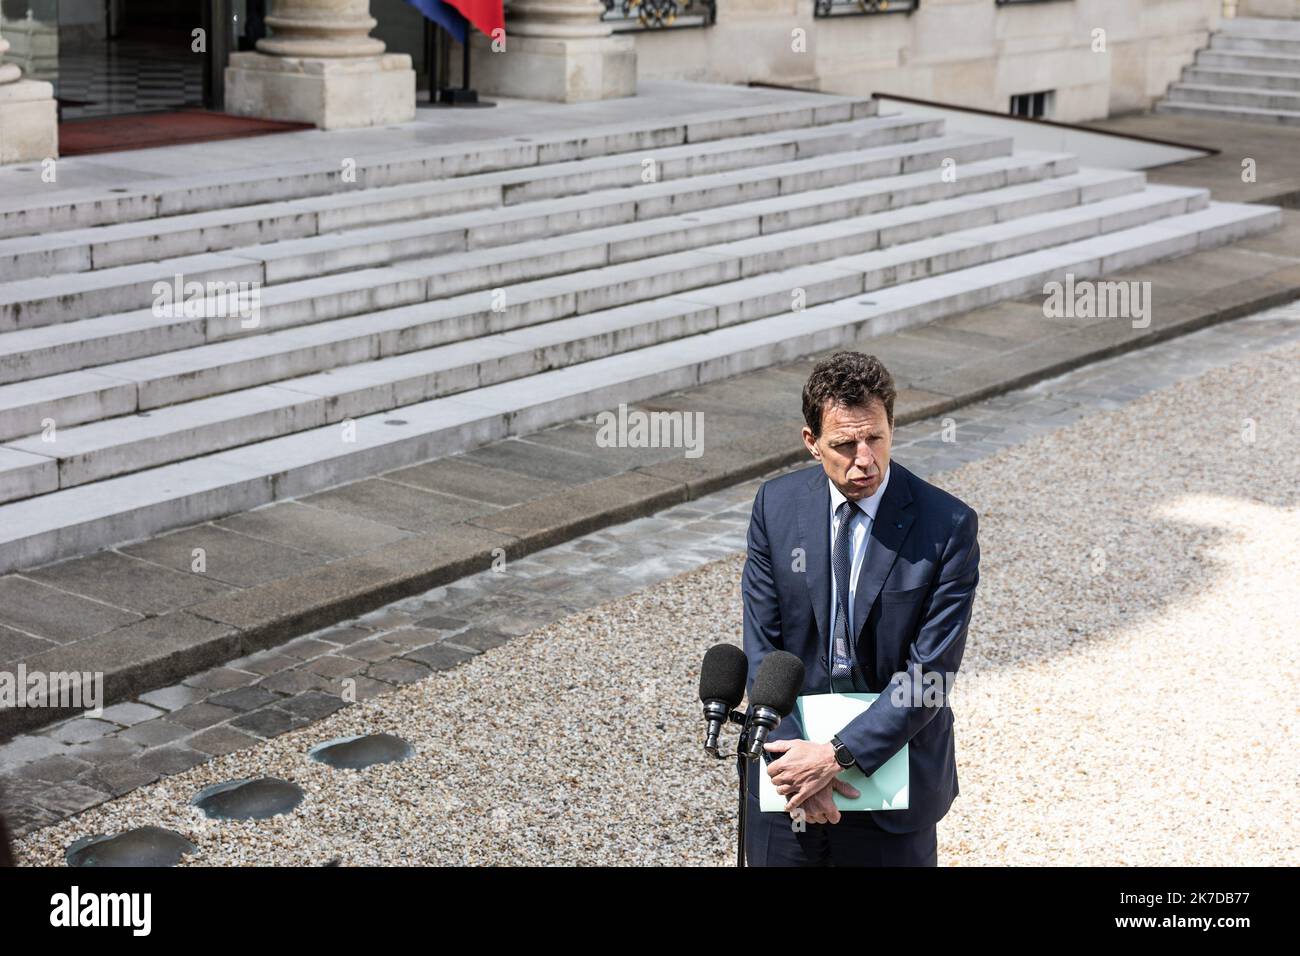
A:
[(853, 447)]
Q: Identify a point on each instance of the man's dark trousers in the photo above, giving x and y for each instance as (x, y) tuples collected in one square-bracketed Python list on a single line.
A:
[(856, 840)]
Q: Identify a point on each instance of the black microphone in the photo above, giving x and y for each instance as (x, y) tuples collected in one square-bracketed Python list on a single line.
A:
[(776, 688), (722, 685)]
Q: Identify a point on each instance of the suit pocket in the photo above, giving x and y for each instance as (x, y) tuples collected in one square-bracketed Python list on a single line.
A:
[(903, 596)]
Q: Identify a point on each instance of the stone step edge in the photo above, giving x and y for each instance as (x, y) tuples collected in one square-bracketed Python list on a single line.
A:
[(312, 178), (1229, 109), (1237, 90), (1280, 59), (385, 580), (1229, 40), (1226, 71)]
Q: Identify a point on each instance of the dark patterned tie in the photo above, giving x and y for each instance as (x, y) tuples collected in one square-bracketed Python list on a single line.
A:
[(841, 561)]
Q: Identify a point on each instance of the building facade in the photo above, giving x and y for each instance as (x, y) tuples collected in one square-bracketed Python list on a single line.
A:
[(347, 63), (978, 53)]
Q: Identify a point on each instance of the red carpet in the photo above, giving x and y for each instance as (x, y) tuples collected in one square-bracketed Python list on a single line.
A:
[(146, 130)]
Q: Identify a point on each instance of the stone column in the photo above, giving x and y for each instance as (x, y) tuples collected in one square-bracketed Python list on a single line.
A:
[(557, 50), (29, 119), (320, 65), (315, 28), (558, 18)]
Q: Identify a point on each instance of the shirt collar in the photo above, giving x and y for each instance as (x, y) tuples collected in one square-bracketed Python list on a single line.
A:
[(868, 506)]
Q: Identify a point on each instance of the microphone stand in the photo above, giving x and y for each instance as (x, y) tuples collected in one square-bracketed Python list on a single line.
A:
[(742, 762), (742, 769)]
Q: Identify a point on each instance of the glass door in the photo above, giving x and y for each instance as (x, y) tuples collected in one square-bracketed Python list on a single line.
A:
[(122, 57)]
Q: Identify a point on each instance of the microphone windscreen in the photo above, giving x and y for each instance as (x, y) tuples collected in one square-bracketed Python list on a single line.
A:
[(722, 677), (778, 682)]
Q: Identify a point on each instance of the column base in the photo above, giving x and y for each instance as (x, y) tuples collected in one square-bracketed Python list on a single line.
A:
[(335, 93), (29, 121), (558, 70)]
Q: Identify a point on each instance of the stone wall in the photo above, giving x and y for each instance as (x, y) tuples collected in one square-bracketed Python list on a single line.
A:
[(965, 52), (1276, 9)]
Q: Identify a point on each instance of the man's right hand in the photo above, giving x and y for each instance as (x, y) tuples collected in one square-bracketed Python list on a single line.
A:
[(820, 807)]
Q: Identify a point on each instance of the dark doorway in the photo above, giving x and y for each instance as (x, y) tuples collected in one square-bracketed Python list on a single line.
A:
[(124, 57)]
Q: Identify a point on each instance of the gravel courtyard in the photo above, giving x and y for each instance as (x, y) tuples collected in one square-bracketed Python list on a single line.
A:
[(1126, 695)]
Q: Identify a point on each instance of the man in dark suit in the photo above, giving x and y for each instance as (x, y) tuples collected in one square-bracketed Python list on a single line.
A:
[(867, 573)]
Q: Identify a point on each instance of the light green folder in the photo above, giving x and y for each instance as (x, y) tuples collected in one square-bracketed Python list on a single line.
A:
[(822, 716)]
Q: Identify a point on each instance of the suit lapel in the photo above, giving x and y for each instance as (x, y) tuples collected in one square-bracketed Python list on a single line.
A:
[(893, 522), (814, 515)]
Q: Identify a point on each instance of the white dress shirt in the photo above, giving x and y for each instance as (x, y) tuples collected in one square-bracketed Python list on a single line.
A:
[(860, 529)]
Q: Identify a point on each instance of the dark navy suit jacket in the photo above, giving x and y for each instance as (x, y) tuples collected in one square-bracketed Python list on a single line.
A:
[(915, 592)]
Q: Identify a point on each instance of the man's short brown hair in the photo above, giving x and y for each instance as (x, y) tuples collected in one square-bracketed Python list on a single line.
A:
[(848, 379)]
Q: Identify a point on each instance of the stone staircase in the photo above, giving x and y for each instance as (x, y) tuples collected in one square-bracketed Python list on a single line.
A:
[(1250, 72), (456, 295)]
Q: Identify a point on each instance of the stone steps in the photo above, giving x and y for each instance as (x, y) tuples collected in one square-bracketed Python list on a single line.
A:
[(74, 209), (79, 519), (46, 300), (1250, 72), (1274, 100), (79, 344), (1241, 114), (1254, 79), (647, 205), (1254, 62), (137, 385), (127, 243), (94, 393), (111, 447)]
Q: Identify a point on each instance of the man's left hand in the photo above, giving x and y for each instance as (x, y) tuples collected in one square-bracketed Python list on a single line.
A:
[(803, 769)]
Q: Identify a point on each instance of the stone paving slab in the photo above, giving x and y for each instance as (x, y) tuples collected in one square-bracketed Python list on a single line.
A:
[(312, 530), (270, 613), (239, 560), (15, 645), (146, 619), (467, 479), (123, 581), (1277, 174), (57, 616)]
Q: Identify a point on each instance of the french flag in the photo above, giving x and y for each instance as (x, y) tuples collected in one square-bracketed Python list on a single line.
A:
[(452, 15)]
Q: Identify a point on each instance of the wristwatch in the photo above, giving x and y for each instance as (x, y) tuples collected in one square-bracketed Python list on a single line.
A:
[(842, 754)]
